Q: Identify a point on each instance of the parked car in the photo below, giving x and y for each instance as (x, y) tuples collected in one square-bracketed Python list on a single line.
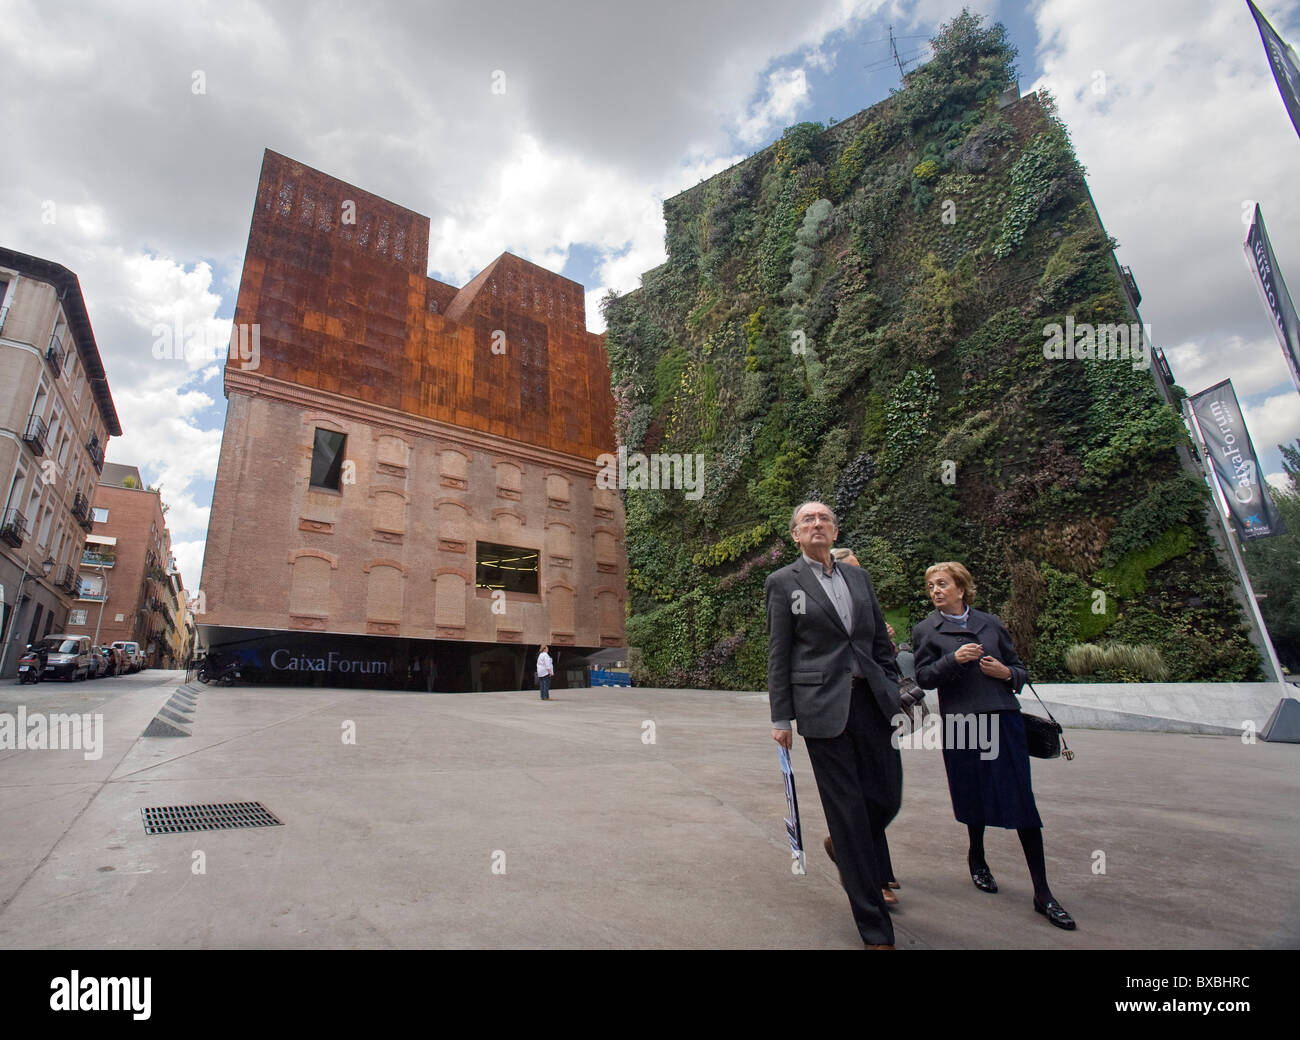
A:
[(67, 657), (116, 660), (98, 663), (134, 657)]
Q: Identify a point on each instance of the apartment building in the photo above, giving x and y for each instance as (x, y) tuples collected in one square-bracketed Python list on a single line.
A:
[(56, 416), (127, 580)]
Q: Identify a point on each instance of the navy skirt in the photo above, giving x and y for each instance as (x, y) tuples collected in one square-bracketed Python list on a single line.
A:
[(991, 791)]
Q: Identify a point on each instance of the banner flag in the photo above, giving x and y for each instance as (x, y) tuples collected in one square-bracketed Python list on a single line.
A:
[(1268, 279), (1286, 68), (1218, 414)]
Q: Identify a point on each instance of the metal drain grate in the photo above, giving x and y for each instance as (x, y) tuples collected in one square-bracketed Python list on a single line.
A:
[(176, 819)]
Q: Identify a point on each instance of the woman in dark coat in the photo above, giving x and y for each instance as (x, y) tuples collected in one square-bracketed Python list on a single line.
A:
[(968, 656)]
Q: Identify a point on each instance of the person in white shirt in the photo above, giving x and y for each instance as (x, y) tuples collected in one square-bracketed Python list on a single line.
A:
[(545, 669)]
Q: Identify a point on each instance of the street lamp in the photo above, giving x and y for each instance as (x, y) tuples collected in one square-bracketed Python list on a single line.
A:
[(103, 592), (47, 565)]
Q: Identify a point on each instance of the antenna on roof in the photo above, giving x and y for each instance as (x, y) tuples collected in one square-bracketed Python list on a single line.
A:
[(893, 46), (894, 57)]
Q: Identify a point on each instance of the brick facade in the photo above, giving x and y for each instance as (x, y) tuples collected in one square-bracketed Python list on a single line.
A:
[(471, 416), (139, 604)]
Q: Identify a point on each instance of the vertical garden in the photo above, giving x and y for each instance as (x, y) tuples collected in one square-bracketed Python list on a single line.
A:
[(856, 314)]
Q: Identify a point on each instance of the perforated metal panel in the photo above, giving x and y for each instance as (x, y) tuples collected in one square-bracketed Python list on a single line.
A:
[(177, 819)]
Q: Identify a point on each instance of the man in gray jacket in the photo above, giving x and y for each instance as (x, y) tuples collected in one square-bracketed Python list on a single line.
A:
[(831, 667)]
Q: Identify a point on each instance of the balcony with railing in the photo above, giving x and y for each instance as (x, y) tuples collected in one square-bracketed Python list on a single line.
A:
[(34, 435), (55, 353), (13, 528), (97, 558), (68, 578), (1131, 285), (91, 589), (96, 452), (81, 510)]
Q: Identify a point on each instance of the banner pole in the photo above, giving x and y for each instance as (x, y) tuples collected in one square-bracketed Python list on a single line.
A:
[(1263, 642)]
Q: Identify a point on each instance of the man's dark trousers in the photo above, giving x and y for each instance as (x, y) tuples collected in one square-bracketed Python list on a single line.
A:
[(860, 780)]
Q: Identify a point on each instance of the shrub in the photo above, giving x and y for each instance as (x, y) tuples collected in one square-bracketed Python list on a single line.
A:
[(1088, 659), (1048, 157), (926, 171)]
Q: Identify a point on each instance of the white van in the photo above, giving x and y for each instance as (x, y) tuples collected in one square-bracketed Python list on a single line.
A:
[(134, 658), (67, 657)]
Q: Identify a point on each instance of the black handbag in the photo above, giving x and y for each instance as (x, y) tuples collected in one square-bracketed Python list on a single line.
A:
[(1044, 737)]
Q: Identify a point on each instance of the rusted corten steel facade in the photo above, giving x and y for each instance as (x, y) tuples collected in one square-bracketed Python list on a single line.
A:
[(348, 309), (470, 416)]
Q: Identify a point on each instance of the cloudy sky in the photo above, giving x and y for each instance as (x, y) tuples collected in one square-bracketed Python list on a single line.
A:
[(133, 137)]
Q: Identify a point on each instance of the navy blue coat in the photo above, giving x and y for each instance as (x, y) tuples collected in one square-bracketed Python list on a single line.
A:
[(963, 688)]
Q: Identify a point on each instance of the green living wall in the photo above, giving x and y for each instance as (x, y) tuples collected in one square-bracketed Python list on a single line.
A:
[(856, 314)]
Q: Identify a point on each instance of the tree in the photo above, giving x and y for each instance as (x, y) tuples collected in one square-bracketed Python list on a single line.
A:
[(1274, 566), (1291, 462)]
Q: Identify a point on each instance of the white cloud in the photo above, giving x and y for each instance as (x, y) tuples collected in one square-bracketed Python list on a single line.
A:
[(1280, 482), (787, 93), (90, 221), (1188, 126), (1251, 365), (1274, 421), (154, 184), (189, 560), (539, 197)]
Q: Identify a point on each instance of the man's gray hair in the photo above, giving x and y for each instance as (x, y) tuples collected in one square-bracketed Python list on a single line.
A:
[(794, 517)]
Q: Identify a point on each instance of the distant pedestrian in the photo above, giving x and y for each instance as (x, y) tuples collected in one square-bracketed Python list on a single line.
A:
[(545, 669)]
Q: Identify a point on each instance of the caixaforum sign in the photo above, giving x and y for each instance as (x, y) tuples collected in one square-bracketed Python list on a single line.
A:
[(283, 660)]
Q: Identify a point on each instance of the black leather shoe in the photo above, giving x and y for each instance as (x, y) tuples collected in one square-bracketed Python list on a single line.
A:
[(1056, 913), (984, 880)]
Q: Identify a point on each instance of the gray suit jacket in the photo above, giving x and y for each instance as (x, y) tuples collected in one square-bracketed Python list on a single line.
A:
[(812, 659)]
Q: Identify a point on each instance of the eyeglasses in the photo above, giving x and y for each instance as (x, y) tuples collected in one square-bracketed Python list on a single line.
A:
[(819, 518)]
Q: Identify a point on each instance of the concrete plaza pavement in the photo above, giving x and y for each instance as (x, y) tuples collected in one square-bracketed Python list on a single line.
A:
[(497, 821)]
